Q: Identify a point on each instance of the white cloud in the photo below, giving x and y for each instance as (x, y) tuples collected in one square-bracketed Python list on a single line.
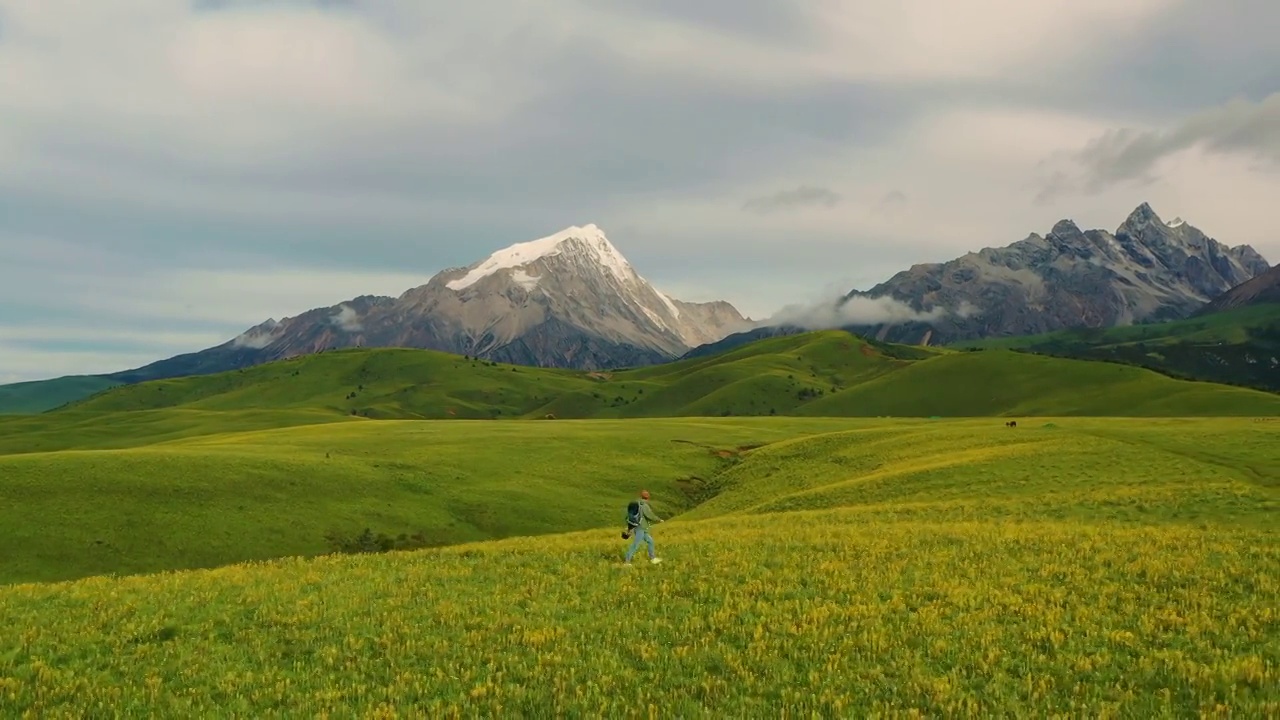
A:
[(920, 40), (148, 103), (859, 310), (1132, 155), (347, 319)]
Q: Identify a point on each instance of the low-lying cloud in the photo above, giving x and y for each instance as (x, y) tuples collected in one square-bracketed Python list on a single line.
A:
[(860, 310), (258, 337), (346, 319)]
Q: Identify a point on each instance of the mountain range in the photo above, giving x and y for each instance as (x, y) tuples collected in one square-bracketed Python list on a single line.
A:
[(1147, 271), (572, 300), (567, 300)]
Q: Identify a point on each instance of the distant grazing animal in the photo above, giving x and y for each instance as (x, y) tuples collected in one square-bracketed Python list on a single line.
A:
[(1011, 423)]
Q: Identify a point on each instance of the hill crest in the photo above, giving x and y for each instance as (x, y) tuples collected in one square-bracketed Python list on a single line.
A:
[(822, 373)]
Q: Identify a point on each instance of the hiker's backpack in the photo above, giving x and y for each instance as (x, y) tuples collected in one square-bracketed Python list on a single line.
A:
[(633, 514)]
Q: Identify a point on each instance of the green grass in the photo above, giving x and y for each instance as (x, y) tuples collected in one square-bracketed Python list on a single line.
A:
[(78, 430), (823, 373), (206, 500), (1234, 326), (41, 395), (1070, 566), (1159, 470), (1007, 383), (368, 383), (1240, 346)]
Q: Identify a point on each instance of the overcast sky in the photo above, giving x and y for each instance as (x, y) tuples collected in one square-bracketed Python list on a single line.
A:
[(175, 171)]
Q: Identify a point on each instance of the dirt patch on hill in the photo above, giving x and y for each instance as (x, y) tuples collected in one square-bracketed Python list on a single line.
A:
[(723, 453)]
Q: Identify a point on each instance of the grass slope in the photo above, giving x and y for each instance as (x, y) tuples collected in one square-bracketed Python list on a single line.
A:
[(822, 373), (367, 383), (1095, 567), (1007, 383), (114, 430), (207, 500), (1240, 346), (41, 395)]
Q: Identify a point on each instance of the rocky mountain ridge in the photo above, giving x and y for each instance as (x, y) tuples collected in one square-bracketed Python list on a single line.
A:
[(1146, 271), (566, 300), (1264, 288)]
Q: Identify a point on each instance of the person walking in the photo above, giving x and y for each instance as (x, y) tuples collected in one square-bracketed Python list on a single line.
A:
[(639, 516)]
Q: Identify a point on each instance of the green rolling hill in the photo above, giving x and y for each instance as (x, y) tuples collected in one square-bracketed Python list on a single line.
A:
[(829, 566), (820, 373), (271, 460), (41, 395), (1240, 346), (214, 497)]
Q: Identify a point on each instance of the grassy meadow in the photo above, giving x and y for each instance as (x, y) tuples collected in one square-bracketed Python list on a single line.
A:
[(853, 530), (1068, 566), (209, 500)]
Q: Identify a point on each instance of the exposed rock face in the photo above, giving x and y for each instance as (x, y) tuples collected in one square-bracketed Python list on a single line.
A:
[(1148, 270), (1264, 288), (568, 300)]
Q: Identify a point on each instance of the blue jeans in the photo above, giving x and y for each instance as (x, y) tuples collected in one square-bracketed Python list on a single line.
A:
[(641, 535)]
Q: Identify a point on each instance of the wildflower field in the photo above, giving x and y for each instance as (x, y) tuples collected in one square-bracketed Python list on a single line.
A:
[(1082, 567)]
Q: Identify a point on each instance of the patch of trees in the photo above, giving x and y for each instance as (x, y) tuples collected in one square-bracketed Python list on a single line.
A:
[(810, 393), (1248, 365), (367, 542)]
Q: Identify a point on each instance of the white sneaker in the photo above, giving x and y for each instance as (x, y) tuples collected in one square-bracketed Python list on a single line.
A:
[(655, 561)]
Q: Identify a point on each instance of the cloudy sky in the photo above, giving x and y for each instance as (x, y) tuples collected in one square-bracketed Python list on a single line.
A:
[(175, 171)]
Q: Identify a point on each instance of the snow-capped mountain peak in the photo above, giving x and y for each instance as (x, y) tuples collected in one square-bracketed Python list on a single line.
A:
[(565, 300), (570, 271), (588, 239)]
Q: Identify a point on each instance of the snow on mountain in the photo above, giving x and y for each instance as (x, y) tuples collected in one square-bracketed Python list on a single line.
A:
[(565, 300), (588, 238), (523, 279), (582, 261)]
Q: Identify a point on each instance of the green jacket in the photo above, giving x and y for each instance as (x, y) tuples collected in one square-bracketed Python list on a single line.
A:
[(646, 514)]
